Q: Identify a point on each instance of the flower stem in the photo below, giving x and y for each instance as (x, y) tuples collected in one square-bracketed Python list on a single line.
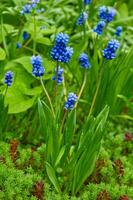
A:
[(64, 88), (63, 121), (48, 97), (97, 89), (82, 88), (34, 39)]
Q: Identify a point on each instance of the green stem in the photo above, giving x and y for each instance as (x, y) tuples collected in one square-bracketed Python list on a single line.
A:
[(82, 88), (34, 39), (63, 121), (97, 89), (64, 88), (48, 97)]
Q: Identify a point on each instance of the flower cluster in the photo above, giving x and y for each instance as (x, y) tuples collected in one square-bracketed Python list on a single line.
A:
[(110, 51), (84, 61), (25, 35), (86, 2), (8, 78), (82, 18), (18, 45), (99, 27), (118, 31), (107, 13), (71, 100), (61, 52), (58, 76), (26, 9), (37, 68)]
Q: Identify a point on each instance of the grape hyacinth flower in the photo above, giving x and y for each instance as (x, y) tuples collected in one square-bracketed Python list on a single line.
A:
[(118, 31), (82, 18), (58, 77), (25, 35), (86, 2), (18, 45), (84, 61), (71, 100), (99, 27), (62, 39), (110, 51), (8, 78), (61, 52), (107, 13), (35, 1), (26, 9), (37, 68)]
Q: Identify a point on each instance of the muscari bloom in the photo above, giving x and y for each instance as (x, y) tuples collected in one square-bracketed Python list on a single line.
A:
[(99, 27), (18, 45), (35, 1), (37, 68), (8, 78), (58, 77), (84, 61), (61, 52), (110, 51), (118, 31), (82, 18), (71, 100), (86, 2), (26, 9), (25, 35), (107, 13)]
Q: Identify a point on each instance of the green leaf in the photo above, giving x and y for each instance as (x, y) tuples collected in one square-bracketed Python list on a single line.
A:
[(60, 155), (52, 176), (43, 40), (2, 54), (87, 152)]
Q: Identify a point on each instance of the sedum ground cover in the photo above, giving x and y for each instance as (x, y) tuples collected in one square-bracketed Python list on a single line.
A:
[(66, 99)]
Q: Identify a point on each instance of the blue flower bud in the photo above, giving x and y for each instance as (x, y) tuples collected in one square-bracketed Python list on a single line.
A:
[(8, 78), (71, 100)]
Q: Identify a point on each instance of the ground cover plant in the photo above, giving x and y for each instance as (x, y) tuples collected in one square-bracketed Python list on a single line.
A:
[(66, 89)]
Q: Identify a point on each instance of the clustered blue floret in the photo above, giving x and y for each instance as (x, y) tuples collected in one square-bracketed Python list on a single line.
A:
[(37, 68), (107, 13), (61, 52), (118, 31), (25, 35), (18, 45), (8, 78), (58, 77), (82, 18), (110, 51), (84, 61), (86, 2), (27, 8), (71, 100), (99, 27)]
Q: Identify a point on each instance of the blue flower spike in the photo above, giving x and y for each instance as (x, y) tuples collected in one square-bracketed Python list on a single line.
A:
[(61, 52), (25, 35), (99, 27), (82, 18), (37, 68), (8, 78), (71, 100), (84, 61), (86, 2), (107, 14), (58, 77), (109, 52), (119, 30)]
